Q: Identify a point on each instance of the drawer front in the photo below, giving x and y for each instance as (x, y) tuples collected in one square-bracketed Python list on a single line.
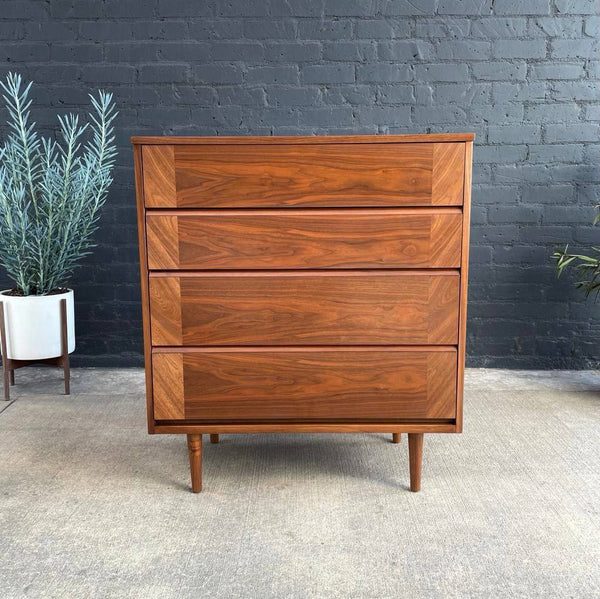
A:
[(326, 175), (291, 308), (297, 239), (318, 384)]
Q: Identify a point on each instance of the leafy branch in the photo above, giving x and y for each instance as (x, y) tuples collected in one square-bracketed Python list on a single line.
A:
[(588, 267)]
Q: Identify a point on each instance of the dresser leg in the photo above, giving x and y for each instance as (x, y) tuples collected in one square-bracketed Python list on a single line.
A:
[(214, 438), (195, 450), (415, 453), (396, 437)]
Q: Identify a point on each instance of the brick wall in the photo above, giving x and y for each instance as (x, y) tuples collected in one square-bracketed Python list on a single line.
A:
[(522, 74)]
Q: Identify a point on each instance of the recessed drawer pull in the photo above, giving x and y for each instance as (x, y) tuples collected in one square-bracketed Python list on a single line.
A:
[(291, 239), (318, 175), (305, 308), (311, 384)]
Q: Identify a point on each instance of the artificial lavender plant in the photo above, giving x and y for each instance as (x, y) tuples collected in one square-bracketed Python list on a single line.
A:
[(51, 190)]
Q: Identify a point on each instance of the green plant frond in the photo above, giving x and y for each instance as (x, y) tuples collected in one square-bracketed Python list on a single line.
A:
[(585, 258), (588, 287), (564, 263), (51, 191)]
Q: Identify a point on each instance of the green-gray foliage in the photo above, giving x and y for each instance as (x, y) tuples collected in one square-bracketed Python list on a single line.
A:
[(51, 191), (588, 267)]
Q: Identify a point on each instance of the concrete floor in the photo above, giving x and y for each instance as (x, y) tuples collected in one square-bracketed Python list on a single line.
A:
[(91, 506)]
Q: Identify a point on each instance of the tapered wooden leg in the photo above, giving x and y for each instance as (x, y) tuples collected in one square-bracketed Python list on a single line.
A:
[(67, 374), (195, 450), (415, 453), (396, 437), (5, 360), (214, 438), (5, 379), (64, 344), (12, 377)]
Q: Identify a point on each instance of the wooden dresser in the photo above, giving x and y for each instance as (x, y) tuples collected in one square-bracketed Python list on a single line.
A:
[(304, 284)]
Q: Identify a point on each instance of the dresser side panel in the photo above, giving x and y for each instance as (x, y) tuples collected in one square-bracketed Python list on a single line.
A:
[(141, 223), (462, 327)]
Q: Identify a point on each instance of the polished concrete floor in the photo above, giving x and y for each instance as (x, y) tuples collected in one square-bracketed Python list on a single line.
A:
[(93, 507)]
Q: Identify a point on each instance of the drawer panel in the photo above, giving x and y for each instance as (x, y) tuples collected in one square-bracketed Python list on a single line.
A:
[(295, 308), (320, 175), (305, 384), (296, 239)]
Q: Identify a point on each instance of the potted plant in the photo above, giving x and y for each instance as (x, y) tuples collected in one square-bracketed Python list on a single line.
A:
[(51, 191), (588, 267)]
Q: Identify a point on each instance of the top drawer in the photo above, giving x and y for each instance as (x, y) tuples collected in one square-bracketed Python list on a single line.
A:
[(329, 175)]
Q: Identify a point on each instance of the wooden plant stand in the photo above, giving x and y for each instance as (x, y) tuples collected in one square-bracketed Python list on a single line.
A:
[(9, 365)]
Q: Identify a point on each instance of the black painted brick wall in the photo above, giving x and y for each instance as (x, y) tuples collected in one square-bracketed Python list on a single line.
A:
[(522, 74)]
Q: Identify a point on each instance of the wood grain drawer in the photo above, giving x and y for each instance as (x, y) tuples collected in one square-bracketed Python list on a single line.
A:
[(312, 308), (292, 239), (261, 384), (320, 175)]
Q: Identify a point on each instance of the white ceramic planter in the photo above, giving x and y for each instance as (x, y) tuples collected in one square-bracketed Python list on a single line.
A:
[(33, 325)]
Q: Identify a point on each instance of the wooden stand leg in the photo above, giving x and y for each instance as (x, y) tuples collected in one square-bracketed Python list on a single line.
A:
[(5, 379), (396, 437), (12, 377), (195, 450), (5, 360), (214, 438), (415, 453), (64, 346)]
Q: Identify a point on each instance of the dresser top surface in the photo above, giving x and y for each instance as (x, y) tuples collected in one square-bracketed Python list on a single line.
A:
[(310, 139)]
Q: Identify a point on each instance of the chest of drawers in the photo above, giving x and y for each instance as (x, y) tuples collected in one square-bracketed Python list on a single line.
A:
[(304, 284)]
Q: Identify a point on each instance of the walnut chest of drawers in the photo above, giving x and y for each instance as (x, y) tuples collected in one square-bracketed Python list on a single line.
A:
[(304, 284)]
